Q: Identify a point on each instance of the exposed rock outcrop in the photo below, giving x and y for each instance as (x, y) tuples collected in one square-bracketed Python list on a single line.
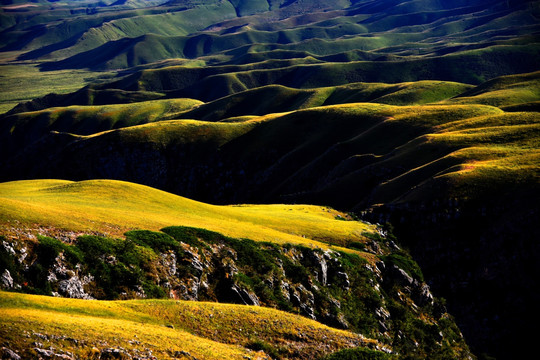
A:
[(9, 354), (6, 280), (336, 288)]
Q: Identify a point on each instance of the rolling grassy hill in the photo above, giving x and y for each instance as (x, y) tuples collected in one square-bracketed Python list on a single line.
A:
[(327, 44), (275, 98), (504, 91), (114, 207), (212, 82), (399, 33), (87, 120), (293, 265), (341, 145), (162, 329)]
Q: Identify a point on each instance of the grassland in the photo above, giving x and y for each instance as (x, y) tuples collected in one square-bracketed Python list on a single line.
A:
[(24, 82), (384, 107), (88, 120), (503, 91), (213, 82), (243, 46), (114, 207), (421, 33), (275, 98), (162, 328)]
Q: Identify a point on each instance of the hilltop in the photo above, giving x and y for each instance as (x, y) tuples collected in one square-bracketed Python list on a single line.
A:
[(114, 207)]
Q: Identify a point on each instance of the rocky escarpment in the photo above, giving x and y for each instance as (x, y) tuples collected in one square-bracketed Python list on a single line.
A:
[(384, 298), (479, 256)]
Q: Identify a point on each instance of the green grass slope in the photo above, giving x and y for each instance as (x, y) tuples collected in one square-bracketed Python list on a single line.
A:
[(29, 127), (356, 42), (213, 82), (73, 34), (392, 42), (24, 83), (413, 32), (275, 98), (114, 207), (210, 83), (368, 149), (503, 91), (161, 329)]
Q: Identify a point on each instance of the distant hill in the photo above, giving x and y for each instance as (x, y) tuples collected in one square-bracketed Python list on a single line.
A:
[(226, 31)]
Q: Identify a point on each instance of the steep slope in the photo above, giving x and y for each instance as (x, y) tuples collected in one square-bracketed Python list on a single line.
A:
[(312, 151)]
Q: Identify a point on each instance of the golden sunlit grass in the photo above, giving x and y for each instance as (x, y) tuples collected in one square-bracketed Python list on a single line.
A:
[(503, 91), (184, 131), (205, 330), (238, 324), (114, 207), (95, 324), (434, 115), (500, 97), (494, 151)]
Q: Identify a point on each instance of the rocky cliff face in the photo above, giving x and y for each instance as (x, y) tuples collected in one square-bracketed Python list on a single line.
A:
[(479, 256), (384, 298)]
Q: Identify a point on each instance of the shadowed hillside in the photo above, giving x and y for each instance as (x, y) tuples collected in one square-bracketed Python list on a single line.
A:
[(211, 83)]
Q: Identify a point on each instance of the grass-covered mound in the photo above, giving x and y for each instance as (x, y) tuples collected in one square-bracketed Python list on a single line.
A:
[(30, 127), (504, 91), (113, 207), (212, 82), (245, 45), (164, 329), (275, 98)]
